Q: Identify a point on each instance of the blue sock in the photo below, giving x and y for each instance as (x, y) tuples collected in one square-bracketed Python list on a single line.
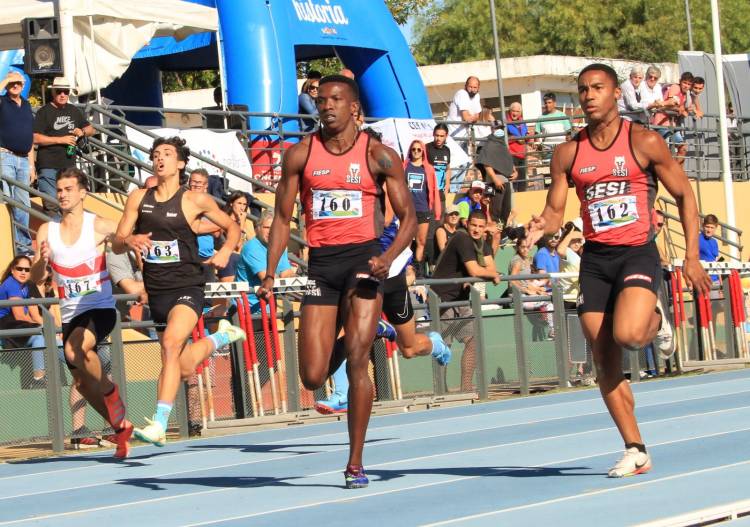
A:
[(341, 381), (163, 410), (220, 339)]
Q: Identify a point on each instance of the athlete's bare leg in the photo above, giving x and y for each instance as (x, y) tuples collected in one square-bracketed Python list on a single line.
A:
[(636, 320), (615, 390), (422, 230), (80, 351), (317, 333), (361, 308), (179, 359), (411, 343)]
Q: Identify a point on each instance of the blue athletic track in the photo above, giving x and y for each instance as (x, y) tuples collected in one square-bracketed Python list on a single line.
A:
[(526, 461)]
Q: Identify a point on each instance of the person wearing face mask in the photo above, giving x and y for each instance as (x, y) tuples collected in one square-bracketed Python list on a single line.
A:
[(496, 163)]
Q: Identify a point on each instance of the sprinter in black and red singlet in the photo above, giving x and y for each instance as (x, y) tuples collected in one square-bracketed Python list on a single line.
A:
[(615, 165), (339, 173)]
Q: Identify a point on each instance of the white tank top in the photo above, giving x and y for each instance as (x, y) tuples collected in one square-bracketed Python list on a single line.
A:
[(80, 271)]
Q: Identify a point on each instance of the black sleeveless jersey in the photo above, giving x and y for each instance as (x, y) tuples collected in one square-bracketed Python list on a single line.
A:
[(172, 262)]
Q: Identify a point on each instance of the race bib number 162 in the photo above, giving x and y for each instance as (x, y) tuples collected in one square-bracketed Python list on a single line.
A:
[(613, 212)]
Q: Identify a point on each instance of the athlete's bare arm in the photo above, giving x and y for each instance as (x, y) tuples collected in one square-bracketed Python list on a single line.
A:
[(385, 165), (554, 209), (207, 207), (41, 257), (105, 230), (650, 148), (286, 192), (124, 238)]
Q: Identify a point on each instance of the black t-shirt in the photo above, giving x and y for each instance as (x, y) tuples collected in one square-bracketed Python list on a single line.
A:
[(57, 122), (440, 158), (460, 249)]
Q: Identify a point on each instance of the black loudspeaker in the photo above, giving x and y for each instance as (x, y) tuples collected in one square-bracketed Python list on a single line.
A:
[(43, 46)]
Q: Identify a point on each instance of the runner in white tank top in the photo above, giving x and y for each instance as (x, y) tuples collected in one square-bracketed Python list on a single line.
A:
[(74, 249)]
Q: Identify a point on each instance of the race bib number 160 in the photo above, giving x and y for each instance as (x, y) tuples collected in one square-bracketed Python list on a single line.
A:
[(337, 204)]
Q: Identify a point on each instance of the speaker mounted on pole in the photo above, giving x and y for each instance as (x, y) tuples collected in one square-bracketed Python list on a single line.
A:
[(43, 46)]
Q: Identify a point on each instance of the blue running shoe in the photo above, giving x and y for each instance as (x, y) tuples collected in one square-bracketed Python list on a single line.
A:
[(440, 349), (355, 477), (336, 404), (385, 331)]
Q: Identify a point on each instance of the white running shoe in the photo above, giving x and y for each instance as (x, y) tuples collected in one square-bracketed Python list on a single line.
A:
[(632, 462), (234, 332), (152, 433), (665, 336)]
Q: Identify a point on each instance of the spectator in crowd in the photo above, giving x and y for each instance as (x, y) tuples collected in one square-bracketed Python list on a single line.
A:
[(521, 264), (652, 97), (251, 267), (466, 255), (447, 229), (439, 156), (17, 286), (518, 135), (708, 247), (493, 230), (306, 101), (631, 104), (546, 258), (466, 106), (58, 127), (216, 121), (471, 202), (676, 101), (236, 208), (422, 182), (495, 160), (555, 130), (570, 250), (694, 106), (198, 182), (17, 153)]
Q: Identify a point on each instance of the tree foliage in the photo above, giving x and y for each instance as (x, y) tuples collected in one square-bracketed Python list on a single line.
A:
[(460, 30)]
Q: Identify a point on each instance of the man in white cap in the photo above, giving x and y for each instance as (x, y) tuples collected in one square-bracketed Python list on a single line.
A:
[(57, 129), (471, 202), (16, 152)]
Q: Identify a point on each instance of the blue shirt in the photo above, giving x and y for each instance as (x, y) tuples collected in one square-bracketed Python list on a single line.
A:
[(708, 251), (205, 245), (16, 125), (417, 181), (546, 261), (12, 288), (253, 261)]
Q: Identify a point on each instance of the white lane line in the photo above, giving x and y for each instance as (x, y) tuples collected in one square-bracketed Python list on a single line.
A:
[(586, 494), (464, 478), (409, 460), (371, 430), (68, 488)]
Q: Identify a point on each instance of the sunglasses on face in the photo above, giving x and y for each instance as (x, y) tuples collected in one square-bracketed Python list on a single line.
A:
[(23, 269), (660, 224), (314, 87), (62, 92), (653, 78), (416, 149), (14, 83)]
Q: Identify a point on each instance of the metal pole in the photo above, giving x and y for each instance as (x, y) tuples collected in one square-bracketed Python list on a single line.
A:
[(726, 171), (689, 25), (497, 65), (480, 351), (54, 399)]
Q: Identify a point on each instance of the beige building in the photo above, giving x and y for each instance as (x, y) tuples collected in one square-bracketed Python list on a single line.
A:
[(525, 79)]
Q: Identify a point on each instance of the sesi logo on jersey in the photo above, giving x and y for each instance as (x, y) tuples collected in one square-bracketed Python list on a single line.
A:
[(352, 175), (620, 170), (607, 189)]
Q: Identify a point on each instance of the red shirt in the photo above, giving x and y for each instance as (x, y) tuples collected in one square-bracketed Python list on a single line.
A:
[(617, 194), (343, 203)]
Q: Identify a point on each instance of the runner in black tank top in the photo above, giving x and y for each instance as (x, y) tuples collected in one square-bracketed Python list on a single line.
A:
[(619, 305), (166, 222), (165, 219)]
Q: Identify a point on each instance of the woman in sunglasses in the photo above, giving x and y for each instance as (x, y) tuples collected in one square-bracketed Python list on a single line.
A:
[(422, 182), (306, 102), (16, 286)]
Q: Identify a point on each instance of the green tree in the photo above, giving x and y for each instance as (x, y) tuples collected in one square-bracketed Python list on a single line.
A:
[(460, 30)]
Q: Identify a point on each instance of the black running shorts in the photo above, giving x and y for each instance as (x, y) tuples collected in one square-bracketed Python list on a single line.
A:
[(335, 269), (100, 321), (396, 300), (162, 302), (608, 269)]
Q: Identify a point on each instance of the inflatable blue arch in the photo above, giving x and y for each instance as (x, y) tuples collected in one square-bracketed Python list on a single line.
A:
[(262, 40)]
